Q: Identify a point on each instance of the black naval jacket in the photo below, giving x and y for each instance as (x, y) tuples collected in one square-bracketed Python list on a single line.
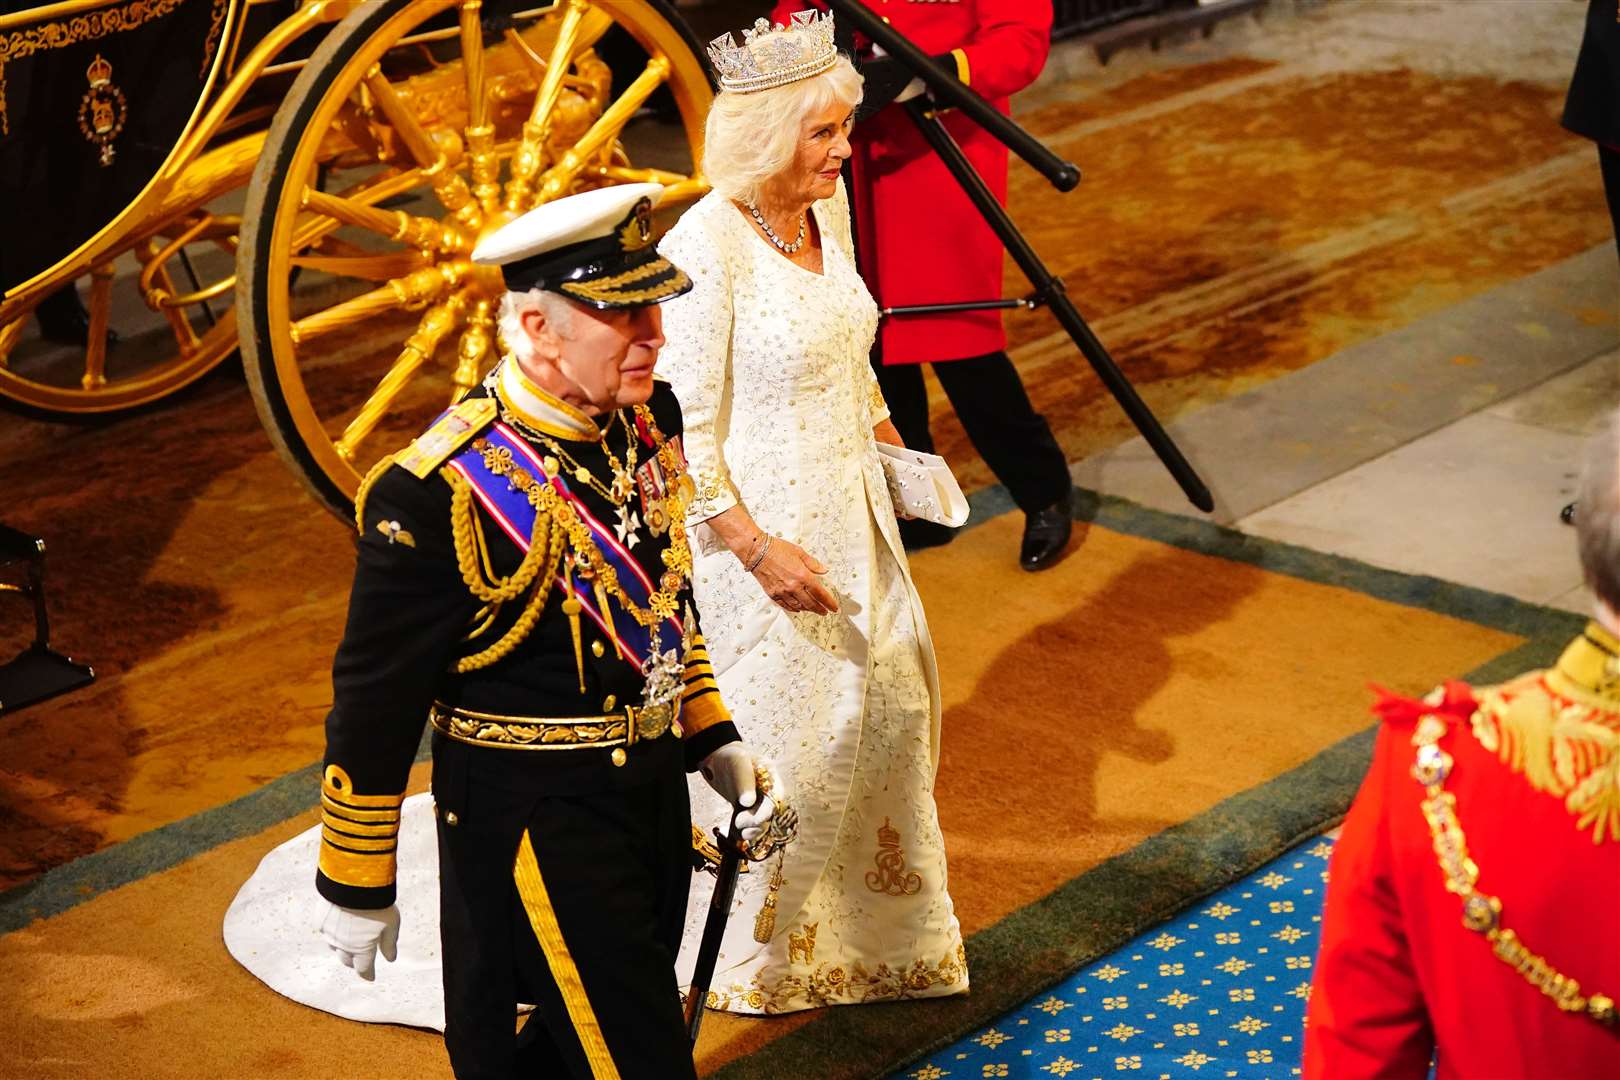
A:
[(1593, 106), (410, 617)]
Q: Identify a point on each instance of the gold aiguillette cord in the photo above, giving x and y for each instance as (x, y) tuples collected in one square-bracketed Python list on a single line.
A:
[(571, 607)]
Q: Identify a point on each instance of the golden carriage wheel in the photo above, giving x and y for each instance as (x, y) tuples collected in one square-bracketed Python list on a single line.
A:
[(436, 121)]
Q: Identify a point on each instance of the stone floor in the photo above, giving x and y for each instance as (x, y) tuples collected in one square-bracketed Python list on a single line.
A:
[(1447, 446)]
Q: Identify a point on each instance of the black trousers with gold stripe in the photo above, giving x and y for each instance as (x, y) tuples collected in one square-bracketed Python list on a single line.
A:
[(560, 892)]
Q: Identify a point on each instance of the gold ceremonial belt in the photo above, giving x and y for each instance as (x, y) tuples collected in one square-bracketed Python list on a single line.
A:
[(626, 728)]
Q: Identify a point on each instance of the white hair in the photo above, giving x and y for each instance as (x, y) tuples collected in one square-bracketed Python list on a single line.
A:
[(557, 308), (750, 138), (1597, 514)]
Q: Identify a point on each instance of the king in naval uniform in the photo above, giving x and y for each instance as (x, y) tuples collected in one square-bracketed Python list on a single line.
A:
[(523, 584)]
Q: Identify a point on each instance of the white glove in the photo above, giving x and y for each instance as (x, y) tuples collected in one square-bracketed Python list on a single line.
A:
[(913, 88), (357, 935), (730, 771)]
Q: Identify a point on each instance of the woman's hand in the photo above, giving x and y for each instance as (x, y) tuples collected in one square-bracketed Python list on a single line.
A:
[(791, 576), (783, 569), (886, 432)]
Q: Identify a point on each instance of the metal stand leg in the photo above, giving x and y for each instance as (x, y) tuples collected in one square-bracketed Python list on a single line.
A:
[(39, 671), (1050, 290)]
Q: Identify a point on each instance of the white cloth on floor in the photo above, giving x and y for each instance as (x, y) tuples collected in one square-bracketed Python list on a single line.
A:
[(273, 929)]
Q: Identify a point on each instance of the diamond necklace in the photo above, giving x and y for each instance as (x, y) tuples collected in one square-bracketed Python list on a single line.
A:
[(770, 233)]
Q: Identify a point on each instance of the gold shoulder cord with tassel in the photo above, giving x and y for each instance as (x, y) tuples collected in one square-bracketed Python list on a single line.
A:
[(366, 485), (546, 548)]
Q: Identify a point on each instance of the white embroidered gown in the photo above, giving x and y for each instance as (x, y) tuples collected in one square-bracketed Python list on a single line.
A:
[(769, 361)]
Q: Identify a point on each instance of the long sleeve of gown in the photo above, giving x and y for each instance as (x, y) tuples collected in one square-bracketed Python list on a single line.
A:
[(696, 359), (838, 223)]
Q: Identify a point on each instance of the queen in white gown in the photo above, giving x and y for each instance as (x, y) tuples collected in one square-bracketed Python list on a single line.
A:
[(768, 355)]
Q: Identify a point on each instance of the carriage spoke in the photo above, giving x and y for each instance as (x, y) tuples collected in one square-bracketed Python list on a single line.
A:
[(480, 133), (95, 350), (473, 354), (448, 185), (378, 267), (411, 292), (561, 176), (526, 159), (423, 234), (625, 174), (419, 348)]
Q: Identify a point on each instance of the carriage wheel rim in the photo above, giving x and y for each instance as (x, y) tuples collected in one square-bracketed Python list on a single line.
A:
[(644, 22)]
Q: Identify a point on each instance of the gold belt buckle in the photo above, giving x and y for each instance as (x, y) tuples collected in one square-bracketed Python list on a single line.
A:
[(651, 722)]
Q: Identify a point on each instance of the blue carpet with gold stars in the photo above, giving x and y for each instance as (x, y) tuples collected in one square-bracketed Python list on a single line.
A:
[(1218, 991)]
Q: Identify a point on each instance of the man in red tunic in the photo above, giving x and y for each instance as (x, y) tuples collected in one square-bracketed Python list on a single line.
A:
[(921, 241), (1473, 912)]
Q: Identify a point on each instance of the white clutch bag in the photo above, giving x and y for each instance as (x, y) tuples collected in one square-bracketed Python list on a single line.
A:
[(922, 485)]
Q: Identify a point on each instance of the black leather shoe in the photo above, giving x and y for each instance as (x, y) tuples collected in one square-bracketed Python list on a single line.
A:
[(916, 534), (1046, 534)]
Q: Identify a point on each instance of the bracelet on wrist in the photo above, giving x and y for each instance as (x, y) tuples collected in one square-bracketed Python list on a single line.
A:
[(759, 558)]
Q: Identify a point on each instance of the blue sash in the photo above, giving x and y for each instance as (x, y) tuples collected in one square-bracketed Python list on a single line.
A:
[(511, 510)]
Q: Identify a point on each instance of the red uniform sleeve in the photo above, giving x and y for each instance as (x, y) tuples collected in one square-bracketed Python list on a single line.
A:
[(1366, 1016), (1008, 48)]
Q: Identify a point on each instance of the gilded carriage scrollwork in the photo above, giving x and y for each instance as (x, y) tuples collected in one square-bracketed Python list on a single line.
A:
[(88, 27), (377, 142)]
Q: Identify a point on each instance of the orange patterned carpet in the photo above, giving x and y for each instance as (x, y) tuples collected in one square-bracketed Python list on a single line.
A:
[(1220, 239)]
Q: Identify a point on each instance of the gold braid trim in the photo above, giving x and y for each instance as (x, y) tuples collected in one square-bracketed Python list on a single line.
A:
[(471, 554), (365, 489), (677, 556), (1560, 730), (1482, 912), (554, 545)]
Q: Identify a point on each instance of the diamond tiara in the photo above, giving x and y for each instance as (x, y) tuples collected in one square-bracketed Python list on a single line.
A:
[(775, 55)]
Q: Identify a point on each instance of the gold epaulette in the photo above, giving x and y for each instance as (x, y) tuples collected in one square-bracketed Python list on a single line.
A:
[(448, 434), (1560, 730)]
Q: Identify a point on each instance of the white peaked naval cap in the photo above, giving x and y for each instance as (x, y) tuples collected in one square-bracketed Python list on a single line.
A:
[(595, 247)]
